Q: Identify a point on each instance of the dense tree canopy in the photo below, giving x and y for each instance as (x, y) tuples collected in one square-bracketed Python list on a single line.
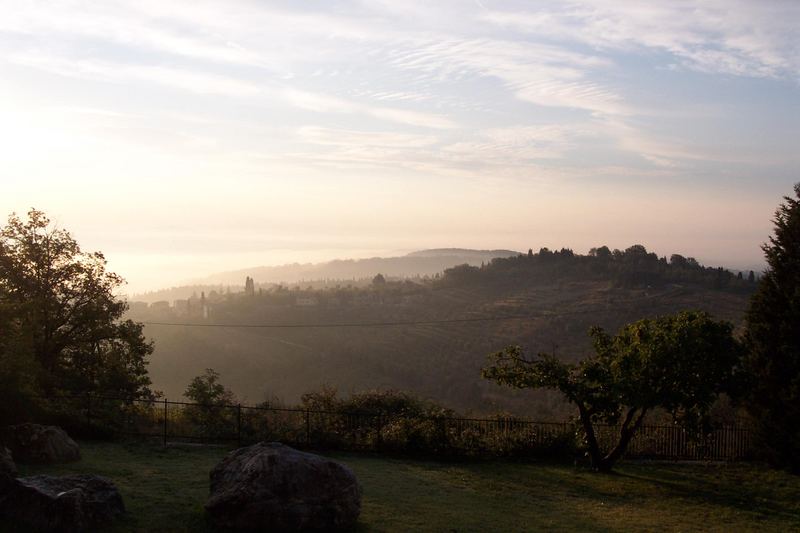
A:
[(212, 412), (677, 362), (17, 365), (773, 341), (632, 267), (206, 389), (62, 322)]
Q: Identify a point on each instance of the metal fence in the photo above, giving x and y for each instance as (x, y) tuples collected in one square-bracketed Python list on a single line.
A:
[(171, 421), (725, 443)]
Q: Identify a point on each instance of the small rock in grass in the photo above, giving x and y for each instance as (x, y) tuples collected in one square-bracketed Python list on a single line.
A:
[(7, 466), (37, 444), (63, 504)]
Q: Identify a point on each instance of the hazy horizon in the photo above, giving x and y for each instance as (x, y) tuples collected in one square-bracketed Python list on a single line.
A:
[(187, 138), (315, 257)]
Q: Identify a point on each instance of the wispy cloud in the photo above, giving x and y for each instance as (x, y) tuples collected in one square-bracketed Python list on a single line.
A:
[(516, 145), (522, 152), (476, 90), (542, 74), (324, 103), (114, 72), (731, 37), (386, 139), (104, 23)]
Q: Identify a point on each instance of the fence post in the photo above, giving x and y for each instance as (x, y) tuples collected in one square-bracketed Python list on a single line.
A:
[(239, 425), (308, 428), (88, 412), (165, 422), (379, 436)]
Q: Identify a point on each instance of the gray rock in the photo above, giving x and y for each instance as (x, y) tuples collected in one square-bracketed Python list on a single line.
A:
[(7, 466), (33, 443), (272, 487), (64, 504)]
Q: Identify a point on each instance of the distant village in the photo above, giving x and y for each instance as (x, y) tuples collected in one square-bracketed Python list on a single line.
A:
[(201, 306)]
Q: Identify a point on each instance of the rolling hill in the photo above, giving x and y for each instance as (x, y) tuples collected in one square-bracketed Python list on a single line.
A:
[(340, 271)]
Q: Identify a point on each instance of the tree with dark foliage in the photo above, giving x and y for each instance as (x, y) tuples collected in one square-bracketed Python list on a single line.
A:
[(679, 363), (212, 415), (64, 315), (17, 366), (206, 389), (632, 268), (773, 341)]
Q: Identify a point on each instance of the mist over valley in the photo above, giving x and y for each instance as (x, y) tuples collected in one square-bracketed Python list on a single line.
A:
[(329, 340), (422, 263)]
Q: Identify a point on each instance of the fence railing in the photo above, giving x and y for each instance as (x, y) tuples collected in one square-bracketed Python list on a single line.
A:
[(172, 421)]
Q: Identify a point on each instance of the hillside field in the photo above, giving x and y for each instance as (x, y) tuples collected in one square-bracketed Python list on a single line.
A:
[(441, 362)]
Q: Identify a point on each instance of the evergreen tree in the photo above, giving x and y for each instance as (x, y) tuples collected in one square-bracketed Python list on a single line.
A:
[(773, 341)]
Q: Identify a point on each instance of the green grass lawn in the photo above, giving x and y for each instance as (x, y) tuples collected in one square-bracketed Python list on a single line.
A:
[(164, 490)]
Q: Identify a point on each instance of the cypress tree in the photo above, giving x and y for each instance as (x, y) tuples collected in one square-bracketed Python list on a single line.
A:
[(773, 340)]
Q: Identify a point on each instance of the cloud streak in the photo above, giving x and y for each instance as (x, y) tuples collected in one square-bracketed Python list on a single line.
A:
[(112, 72), (741, 38), (324, 103)]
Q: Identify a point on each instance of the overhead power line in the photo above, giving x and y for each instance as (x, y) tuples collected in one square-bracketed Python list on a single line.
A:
[(367, 324), (377, 324)]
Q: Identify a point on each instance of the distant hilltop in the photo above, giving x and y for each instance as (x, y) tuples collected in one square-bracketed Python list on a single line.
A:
[(464, 253), (419, 263)]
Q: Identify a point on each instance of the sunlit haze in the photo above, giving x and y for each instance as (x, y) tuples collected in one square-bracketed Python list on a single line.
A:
[(186, 138)]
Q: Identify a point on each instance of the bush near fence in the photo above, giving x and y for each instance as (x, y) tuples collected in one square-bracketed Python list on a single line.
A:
[(367, 424)]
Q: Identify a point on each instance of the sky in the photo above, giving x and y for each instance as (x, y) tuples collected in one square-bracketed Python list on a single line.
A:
[(186, 138)]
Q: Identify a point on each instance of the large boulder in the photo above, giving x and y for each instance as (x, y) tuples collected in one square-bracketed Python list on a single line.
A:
[(33, 443), (272, 487), (7, 466), (64, 504)]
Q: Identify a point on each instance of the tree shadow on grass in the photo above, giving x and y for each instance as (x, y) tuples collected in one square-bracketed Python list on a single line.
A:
[(720, 488)]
